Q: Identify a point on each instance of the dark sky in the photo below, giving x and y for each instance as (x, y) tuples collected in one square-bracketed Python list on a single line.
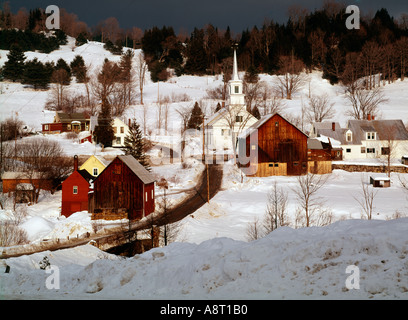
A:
[(187, 14)]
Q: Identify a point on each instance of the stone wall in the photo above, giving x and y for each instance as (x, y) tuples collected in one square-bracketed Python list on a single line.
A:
[(369, 168)]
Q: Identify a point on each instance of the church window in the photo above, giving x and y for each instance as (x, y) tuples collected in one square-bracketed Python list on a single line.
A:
[(236, 89)]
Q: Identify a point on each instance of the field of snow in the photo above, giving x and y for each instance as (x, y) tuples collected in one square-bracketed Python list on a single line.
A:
[(212, 258)]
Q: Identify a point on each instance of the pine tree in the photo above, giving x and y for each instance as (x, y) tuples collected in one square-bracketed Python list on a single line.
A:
[(36, 74), (196, 117), (79, 69), (134, 144), (14, 66), (103, 133)]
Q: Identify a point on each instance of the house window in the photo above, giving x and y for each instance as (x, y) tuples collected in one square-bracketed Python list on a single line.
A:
[(363, 150), (236, 89), (385, 151), (225, 132), (115, 130), (370, 150), (370, 135), (68, 126), (253, 147), (75, 190), (122, 129), (95, 171), (349, 137), (348, 150), (276, 124), (118, 140), (152, 194), (146, 196), (46, 127), (238, 118)]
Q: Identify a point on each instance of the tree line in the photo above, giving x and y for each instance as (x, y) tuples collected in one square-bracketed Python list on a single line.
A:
[(315, 40)]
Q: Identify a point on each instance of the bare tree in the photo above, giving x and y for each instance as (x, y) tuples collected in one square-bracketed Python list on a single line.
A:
[(236, 119), (390, 146), (366, 199), (276, 215), (254, 230), (320, 108), (291, 78), (363, 102), (306, 194), (141, 68)]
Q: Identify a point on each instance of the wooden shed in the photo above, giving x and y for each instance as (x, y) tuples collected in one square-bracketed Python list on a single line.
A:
[(124, 187), (75, 191), (380, 181), (281, 148)]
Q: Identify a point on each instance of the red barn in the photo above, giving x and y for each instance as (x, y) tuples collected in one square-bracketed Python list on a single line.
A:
[(280, 150), (124, 186), (75, 191)]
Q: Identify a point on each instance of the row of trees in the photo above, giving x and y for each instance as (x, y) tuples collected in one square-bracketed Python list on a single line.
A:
[(316, 39)]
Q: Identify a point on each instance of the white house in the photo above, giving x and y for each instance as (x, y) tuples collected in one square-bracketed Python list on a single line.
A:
[(366, 139), (120, 129), (223, 127)]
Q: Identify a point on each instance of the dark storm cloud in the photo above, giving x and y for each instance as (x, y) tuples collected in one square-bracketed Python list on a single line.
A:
[(187, 14)]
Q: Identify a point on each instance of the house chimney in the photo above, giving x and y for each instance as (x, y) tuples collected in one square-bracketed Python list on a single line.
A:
[(223, 104), (369, 117), (75, 163), (130, 122), (334, 126)]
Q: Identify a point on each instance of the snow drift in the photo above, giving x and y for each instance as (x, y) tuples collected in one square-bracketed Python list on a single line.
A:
[(307, 263)]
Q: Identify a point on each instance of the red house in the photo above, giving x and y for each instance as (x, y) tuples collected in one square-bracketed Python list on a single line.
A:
[(123, 187), (75, 191)]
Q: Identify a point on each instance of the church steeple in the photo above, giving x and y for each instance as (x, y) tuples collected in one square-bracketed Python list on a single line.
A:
[(235, 76), (237, 96)]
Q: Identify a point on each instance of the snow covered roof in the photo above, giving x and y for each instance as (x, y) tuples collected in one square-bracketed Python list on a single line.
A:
[(20, 175), (384, 129)]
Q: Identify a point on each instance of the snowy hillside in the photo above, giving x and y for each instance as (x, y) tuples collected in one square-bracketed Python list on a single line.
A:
[(212, 258)]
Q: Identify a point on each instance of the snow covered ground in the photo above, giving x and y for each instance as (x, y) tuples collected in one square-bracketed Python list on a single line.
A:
[(212, 258)]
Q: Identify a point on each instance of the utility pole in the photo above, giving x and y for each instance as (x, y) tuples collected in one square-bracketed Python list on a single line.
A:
[(206, 162)]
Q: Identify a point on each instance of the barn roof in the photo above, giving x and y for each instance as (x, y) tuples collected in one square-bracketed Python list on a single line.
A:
[(261, 122), (137, 169)]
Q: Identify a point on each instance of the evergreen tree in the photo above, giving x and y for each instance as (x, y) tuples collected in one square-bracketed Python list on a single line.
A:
[(196, 118), (36, 74), (81, 39), (14, 66), (103, 133), (197, 60), (134, 144), (62, 64), (79, 69)]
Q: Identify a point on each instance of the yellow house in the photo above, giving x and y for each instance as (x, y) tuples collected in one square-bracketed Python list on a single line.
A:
[(94, 165)]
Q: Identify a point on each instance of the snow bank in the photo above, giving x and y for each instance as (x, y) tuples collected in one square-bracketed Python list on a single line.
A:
[(37, 228), (307, 263)]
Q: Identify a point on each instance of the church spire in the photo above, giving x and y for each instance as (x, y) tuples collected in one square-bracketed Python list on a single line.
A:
[(235, 71)]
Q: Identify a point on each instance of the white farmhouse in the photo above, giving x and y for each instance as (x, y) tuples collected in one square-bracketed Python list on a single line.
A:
[(222, 128), (120, 130), (366, 139)]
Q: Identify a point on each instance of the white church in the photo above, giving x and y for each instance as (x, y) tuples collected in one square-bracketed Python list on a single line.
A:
[(223, 128)]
